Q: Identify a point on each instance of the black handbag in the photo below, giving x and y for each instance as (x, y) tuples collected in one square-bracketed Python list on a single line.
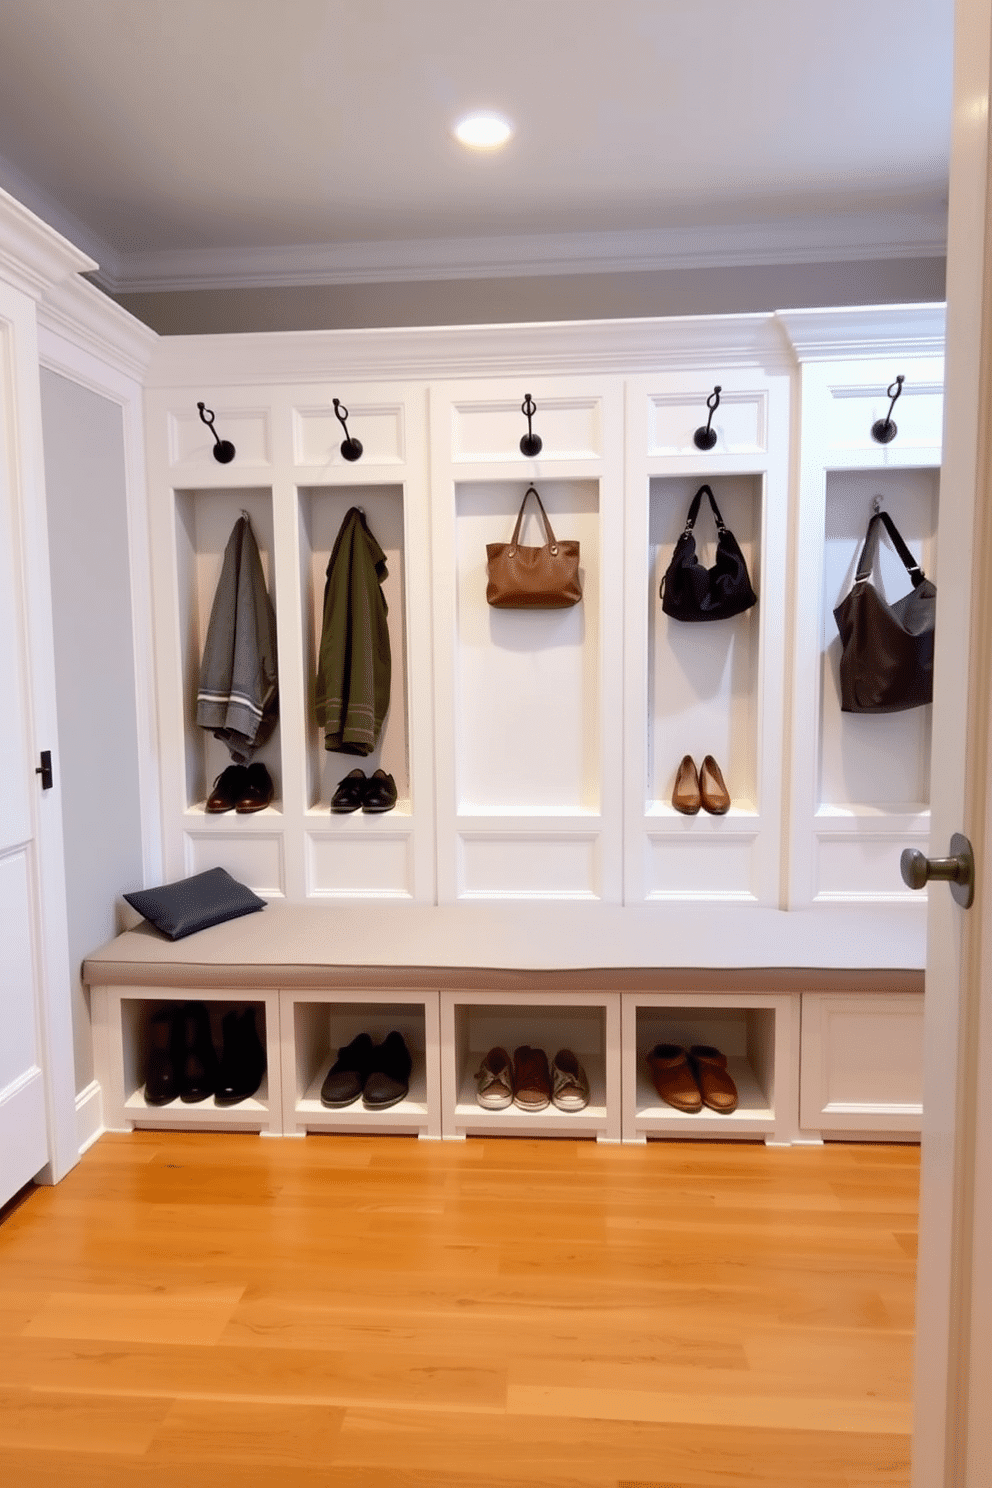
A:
[(691, 592), (886, 662)]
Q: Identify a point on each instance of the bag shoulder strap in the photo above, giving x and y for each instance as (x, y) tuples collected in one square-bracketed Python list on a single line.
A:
[(869, 552), (690, 520), (552, 540)]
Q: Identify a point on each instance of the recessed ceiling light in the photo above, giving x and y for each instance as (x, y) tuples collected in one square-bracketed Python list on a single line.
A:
[(483, 131)]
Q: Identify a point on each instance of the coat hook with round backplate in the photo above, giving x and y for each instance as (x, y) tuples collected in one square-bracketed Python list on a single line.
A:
[(223, 448), (883, 431), (705, 436), (530, 443), (351, 449)]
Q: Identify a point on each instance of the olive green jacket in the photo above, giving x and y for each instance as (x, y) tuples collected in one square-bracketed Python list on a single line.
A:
[(353, 663)]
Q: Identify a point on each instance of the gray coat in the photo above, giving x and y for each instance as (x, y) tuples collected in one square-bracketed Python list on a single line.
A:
[(238, 695)]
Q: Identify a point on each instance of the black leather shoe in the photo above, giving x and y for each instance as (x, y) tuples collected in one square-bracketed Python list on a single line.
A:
[(197, 1060), (350, 792), (256, 792), (242, 1061), (228, 789), (346, 1077), (161, 1073), (389, 1077), (380, 793)]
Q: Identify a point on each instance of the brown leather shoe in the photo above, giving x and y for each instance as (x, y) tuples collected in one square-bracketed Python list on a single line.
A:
[(228, 789), (713, 793), (256, 792), (715, 1084), (673, 1077), (685, 796), (531, 1079)]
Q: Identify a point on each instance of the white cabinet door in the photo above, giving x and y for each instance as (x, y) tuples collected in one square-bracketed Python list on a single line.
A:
[(36, 1110)]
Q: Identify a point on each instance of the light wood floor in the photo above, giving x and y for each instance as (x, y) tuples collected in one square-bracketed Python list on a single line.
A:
[(216, 1311)]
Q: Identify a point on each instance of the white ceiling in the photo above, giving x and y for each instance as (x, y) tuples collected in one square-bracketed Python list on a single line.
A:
[(206, 142)]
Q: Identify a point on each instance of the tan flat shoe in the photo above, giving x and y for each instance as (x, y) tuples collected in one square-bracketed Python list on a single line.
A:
[(713, 792), (716, 1085), (685, 796), (673, 1077)]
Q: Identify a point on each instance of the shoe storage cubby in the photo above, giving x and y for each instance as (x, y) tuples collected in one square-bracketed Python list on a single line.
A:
[(760, 1037), (860, 782), (587, 1023), (122, 1021), (316, 1026)]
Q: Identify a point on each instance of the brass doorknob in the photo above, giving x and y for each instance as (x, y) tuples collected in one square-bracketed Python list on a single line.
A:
[(958, 870)]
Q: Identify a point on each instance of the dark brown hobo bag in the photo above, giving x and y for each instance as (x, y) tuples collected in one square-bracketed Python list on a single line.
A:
[(886, 663)]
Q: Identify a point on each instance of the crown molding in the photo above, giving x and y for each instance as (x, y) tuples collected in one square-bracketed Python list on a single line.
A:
[(872, 330), (77, 312), (825, 239), (555, 348), (33, 256)]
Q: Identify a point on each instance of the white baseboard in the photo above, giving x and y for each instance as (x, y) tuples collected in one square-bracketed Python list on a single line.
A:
[(89, 1115)]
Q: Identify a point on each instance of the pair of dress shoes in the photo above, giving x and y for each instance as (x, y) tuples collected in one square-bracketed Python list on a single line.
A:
[(529, 1083), (704, 788), (241, 788), (373, 793), (689, 1079), (183, 1063), (379, 1073)]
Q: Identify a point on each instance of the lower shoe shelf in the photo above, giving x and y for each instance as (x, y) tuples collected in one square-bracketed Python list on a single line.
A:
[(758, 1034), (587, 1023), (316, 1025), (122, 1023)]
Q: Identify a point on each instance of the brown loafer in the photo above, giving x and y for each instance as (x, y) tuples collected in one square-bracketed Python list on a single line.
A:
[(685, 796), (531, 1079), (713, 793), (717, 1088), (673, 1078)]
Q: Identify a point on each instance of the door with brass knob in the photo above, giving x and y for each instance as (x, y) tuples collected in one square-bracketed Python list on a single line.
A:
[(958, 870)]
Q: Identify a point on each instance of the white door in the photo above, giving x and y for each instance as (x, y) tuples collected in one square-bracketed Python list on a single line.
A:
[(952, 1441), (36, 1085)]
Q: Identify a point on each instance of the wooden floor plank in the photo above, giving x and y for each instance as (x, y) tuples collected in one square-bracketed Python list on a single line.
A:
[(220, 1310)]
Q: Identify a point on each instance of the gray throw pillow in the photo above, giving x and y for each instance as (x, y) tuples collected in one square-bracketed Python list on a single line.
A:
[(192, 904)]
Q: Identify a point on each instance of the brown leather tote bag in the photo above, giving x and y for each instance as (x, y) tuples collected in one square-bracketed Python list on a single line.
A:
[(545, 578), (886, 662)]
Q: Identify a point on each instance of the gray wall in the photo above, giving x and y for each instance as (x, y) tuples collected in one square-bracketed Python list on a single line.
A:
[(94, 671), (725, 291)]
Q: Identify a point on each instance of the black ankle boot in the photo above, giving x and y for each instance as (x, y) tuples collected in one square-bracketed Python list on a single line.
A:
[(242, 1063), (161, 1072), (197, 1059)]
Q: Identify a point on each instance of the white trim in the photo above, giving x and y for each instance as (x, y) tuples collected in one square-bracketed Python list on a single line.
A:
[(865, 331), (842, 238), (436, 353), (89, 1115), (33, 256), (83, 315)]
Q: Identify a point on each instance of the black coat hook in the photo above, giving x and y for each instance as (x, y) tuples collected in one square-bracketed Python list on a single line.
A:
[(883, 431), (351, 449), (705, 438), (530, 444), (223, 448)]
